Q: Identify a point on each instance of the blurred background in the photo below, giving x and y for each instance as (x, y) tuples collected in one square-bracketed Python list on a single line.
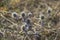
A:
[(45, 19)]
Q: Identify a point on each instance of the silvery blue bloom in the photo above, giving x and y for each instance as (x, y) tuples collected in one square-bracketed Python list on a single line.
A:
[(30, 14), (14, 14)]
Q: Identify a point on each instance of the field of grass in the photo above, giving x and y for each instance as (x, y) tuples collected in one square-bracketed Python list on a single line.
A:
[(47, 28)]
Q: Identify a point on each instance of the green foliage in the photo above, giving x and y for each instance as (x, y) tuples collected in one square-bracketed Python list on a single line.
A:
[(4, 3), (1, 4)]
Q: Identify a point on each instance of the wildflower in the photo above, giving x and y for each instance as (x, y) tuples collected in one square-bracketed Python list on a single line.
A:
[(42, 23), (41, 16), (49, 11), (28, 21), (27, 26), (15, 16), (30, 14), (23, 15)]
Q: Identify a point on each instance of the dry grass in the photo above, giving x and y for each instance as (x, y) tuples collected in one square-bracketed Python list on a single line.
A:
[(12, 29)]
